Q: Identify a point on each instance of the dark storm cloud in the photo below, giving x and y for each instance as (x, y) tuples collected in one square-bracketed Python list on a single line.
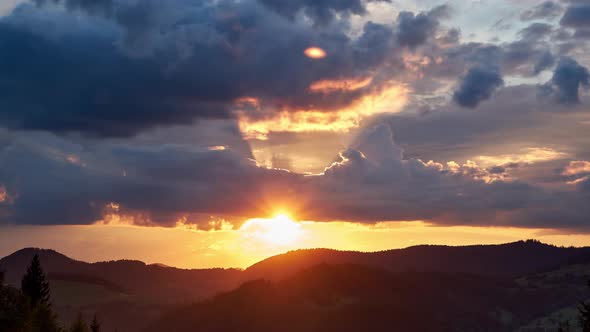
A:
[(520, 56), (103, 7), (532, 52), (119, 68), (568, 78), (388, 186), (128, 66), (59, 182), (83, 84), (414, 30), (544, 10), (546, 61), (478, 85), (577, 15), (321, 11)]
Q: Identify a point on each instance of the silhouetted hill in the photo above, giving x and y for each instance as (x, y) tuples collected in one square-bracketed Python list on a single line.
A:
[(358, 298), (505, 260), (129, 294), (128, 276), (126, 294)]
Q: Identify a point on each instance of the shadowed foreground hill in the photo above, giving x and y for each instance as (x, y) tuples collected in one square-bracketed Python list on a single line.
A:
[(155, 282), (329, 298), (126, 294), (506, 260)]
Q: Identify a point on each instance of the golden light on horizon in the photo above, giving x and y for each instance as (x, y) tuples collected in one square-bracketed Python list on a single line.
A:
[(280, 230), (184, 248), (315, 52)]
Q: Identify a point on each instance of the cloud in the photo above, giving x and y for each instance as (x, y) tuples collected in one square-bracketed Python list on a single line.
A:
[(173, 62), (517, 117), (61, 182), (577, 167), (536, 31), (544, 10), (478, 85), (414, 30), (577, 15), (388, 186), (567, 79), (168, 70), (103, 7), (320, 11), (546, 61)]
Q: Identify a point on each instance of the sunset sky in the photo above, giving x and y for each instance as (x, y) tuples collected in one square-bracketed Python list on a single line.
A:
[(215, 133)]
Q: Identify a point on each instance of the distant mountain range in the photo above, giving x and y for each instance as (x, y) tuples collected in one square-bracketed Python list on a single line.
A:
[(128, 276), (353, 298), (504, 260), (130, 295)]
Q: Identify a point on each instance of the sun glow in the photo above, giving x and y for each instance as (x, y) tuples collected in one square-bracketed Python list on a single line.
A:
[(279, 230)]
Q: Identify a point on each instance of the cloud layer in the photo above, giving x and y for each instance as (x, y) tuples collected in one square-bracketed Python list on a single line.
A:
[(136, 111)]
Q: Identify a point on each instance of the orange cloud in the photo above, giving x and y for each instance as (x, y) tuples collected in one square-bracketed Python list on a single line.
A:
[(528, 156), (389, 99), (331, 86), (3, 194), (577, 167)]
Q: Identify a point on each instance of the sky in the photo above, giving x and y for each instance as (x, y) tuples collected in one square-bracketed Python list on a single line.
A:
[(215, 133)]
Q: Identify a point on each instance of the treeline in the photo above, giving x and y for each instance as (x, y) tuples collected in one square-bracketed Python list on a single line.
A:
[(28, 309), (584, 318)]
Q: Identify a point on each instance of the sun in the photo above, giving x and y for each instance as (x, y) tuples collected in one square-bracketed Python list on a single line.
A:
[(279, 230)]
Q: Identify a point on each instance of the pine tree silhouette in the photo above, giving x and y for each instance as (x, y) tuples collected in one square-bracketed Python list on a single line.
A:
[(584, 309), (34, 285), (564, 327), (95, 325), (79, 325)]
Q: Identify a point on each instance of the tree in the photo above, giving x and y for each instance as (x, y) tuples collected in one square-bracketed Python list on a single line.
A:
[(44, 319), (564, 327), (34, 285), (79, 325), (15, 313), (584, 309), (35, 289), (95, 325)]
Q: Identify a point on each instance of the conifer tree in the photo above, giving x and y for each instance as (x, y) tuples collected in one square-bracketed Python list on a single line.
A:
[(95, 325), (35, 288), (564, 327), (44, 319), (585, 316), (34, 285), (584, 309), (14, 309), (79, 325)]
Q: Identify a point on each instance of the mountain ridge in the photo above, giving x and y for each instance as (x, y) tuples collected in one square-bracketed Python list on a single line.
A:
[(501, 260), (138, 288)]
